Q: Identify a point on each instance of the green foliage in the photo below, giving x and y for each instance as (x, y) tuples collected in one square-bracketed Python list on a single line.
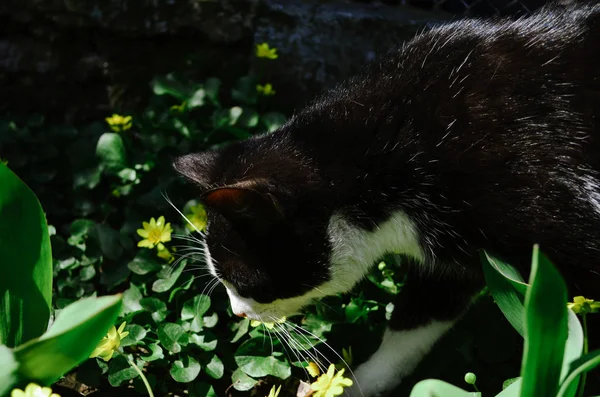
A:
[(99, 182), (25, 262), (37, 355), (554, 340)]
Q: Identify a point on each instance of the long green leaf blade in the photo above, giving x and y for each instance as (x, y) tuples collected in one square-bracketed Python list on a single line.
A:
[(70, 341), (25, 262), (545, 329), (508, 289), (582, 364)]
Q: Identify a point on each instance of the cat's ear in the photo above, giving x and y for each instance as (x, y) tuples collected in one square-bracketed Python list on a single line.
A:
[(196, 167), (236, 202)]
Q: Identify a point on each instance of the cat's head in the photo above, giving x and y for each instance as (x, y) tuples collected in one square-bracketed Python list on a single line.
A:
[(269, 232)]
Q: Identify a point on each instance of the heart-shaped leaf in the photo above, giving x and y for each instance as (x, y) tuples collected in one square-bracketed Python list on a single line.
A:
[(185, 370), (110, 149)]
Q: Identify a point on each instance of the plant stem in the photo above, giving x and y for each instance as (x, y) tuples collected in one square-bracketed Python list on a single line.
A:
[(585, 351), (139, 371)]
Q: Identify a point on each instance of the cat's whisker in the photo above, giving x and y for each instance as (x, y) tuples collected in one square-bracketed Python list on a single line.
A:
[(166, 197), (186, 237), (297, 327), (317, 353), (209, 285), (286, 337)]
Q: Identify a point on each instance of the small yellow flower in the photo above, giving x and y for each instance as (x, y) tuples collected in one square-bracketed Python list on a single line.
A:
[(313, 369), (263, 51), (197, 217), (119, 123), (256, 323), (274, 392), (155, 233), (581, 305), (266, 90), (110, 343), (329, 385), (33, 390)]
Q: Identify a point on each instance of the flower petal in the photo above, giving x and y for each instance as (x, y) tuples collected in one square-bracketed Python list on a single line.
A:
[(143, 233)]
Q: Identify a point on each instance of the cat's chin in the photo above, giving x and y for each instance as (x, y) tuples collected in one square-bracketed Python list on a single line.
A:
[(266, 312)]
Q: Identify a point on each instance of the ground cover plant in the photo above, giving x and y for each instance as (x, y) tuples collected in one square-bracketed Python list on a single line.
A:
[(117, 231)]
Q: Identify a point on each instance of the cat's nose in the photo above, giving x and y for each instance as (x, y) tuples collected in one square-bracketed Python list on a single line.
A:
[(243, 315)]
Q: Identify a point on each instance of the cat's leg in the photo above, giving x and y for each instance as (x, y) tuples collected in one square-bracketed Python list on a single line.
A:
[(426, 309)]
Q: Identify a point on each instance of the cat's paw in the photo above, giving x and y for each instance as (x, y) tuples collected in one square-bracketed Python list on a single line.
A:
[(373, 380)]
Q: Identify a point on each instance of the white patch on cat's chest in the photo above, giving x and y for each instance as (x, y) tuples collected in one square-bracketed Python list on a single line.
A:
[(355, 250)]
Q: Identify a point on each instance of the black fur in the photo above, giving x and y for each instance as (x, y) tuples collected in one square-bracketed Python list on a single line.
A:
[(483, 132)]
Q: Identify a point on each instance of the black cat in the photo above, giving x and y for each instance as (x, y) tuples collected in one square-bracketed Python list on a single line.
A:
[(475, 135)]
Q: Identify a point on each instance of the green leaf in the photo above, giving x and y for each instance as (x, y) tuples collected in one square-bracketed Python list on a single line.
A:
[(241, 381), (258, 366), (170, 86), (573, 347), (169, 335), (214, 368), (8, 370), (197, 98), (248, 119), (165, 284), (545, 329), (438, 388), (212, 87), (511, 390), (25, 262), (110, 149), (136, 334), (273, 120), (120, 371), (157, 353), (508, 289), (202, 389), (185, 370), (194, 310), (206, 341), (155, 306), (143, 264), (241, 328), (583, 364), (131, 299), (76, 332)]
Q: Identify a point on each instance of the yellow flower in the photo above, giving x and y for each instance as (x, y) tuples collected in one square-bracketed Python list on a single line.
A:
[(263, 51), (273, 392), (581, 305), (155, 233), (33, 390), (197, 218), (256, 323), (329, 385), (265, 90), (110, 343), (119, 123), (313, 369)]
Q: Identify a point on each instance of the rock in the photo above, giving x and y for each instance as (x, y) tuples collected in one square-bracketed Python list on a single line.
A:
[(80, 58), (322, 42)]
